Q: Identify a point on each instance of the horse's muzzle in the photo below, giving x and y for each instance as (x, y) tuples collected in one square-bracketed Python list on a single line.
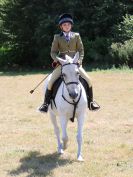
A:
[(73, 95)]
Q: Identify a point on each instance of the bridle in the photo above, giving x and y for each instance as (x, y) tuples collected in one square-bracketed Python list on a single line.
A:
[(69, 83)]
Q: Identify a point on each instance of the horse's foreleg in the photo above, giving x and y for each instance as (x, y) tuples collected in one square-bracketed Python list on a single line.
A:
[(57, 132), (64, 122), (80, 120)]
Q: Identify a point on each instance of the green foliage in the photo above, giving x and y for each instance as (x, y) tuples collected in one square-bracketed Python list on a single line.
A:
[(20, 22), (96, 18), (124, 30), (122, 53), (5, 57), (27, 28), (97, 50)]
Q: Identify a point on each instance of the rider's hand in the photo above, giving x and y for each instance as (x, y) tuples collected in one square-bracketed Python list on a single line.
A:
[(55, 64), (80, 62)]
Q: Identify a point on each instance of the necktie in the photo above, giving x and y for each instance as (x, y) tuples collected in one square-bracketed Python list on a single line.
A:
[(67, 38)]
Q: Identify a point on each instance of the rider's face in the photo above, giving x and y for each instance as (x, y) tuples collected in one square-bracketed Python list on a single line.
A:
[(66, 27)]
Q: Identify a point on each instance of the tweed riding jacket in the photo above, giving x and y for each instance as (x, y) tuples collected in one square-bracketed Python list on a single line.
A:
[(61, 47)]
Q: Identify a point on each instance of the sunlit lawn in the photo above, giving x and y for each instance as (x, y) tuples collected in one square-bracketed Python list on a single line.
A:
[(27, 142)]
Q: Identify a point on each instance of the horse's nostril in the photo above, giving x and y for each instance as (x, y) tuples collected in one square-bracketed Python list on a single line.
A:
[(73, 95), (70, 94)]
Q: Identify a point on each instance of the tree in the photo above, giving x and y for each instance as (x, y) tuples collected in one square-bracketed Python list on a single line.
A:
[(28, 26)]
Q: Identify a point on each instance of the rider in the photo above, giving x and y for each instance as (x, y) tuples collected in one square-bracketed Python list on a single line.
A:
[(67, 42)]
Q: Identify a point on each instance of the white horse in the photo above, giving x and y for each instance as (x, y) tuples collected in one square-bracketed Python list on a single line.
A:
[(70, 93)]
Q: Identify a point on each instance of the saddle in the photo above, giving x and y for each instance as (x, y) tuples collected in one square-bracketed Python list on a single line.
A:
[(57, 84)]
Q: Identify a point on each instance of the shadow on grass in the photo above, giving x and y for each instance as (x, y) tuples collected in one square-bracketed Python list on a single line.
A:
[(37, 165)]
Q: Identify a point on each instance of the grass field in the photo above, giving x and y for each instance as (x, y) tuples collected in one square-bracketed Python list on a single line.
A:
[(27, 142)]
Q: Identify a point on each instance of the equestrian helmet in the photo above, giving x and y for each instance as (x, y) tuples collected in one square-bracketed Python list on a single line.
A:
[(63, 18)]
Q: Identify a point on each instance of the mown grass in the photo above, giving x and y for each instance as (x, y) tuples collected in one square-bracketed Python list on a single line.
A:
[(27, 141)]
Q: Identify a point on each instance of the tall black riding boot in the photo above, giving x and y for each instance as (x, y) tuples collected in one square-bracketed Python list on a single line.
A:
[(92, 104), (44, 107)]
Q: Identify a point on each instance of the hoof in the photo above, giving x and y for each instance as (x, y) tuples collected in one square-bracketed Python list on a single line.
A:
[(60, 150), (80, 159)]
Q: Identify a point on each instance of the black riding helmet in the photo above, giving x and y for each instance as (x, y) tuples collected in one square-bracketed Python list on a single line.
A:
[(63, 18)]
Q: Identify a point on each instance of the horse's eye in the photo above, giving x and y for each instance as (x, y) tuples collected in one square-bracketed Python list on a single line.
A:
[(78, 73)]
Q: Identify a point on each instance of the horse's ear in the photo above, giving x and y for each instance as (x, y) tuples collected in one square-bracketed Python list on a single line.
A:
[(68, 59), (76, 57), (61, 61)]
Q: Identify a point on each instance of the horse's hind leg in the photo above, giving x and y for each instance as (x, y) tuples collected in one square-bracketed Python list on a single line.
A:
[(57, 132)]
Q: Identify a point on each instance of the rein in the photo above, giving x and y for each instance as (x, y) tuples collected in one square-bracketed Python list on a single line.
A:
[(74, 103)]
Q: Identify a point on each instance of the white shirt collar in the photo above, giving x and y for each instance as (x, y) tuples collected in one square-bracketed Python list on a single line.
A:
[(69, 34)]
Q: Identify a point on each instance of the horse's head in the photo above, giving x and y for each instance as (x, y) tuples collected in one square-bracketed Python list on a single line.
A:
[(70, 74)]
